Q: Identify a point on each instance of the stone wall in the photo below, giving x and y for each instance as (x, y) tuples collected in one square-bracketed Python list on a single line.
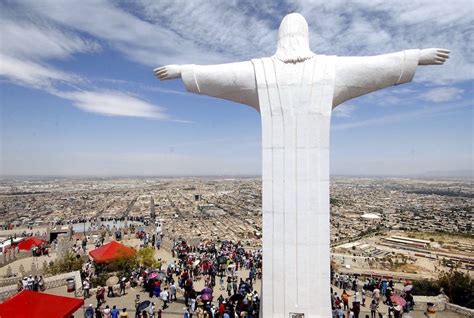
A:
[(440, 302), (50, 282), (465, 312), (12, 256)]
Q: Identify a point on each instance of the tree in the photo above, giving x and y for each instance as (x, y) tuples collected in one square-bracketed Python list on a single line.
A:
[(146, 257), (68, 263), (457, 285), (124, 266)]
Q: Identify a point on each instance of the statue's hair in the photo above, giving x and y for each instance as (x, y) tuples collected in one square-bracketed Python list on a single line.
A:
[(293, 39)]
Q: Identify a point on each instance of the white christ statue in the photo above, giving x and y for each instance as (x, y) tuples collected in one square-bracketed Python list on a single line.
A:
[(295, 91)]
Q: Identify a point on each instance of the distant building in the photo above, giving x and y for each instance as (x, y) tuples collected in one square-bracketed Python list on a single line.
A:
[(407, 241)]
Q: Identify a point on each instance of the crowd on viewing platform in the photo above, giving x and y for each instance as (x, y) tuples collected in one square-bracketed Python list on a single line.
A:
[(381, 291), (208, 277)]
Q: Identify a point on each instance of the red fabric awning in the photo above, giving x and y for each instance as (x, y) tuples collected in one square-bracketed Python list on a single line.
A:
[(28, 243), (110, 252), (27, 304)]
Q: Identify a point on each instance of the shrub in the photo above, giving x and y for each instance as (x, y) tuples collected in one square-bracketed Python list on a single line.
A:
[(146, 257), (457, 285), (68, 263)]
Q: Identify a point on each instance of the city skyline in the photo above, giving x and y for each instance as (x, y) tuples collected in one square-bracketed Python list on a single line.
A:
[(82, 99)]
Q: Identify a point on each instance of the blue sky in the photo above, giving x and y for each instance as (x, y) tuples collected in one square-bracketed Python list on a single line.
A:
[(78, 96)]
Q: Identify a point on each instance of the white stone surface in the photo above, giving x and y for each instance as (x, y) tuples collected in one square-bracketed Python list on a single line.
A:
[(295, 91)]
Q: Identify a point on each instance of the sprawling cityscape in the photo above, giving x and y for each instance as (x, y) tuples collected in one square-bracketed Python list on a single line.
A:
[(230, 208), (400, 229), (363, 210)]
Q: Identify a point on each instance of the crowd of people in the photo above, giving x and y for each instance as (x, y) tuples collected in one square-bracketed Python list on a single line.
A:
[(34, 283), (211, 262), (217, 266), (381, 291)]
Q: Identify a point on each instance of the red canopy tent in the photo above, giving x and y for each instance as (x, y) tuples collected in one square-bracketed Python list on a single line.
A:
[(110, 252), (28, 243), (27, 304)]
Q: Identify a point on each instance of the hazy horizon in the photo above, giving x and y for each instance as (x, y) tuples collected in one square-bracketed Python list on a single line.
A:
[(429, 174)]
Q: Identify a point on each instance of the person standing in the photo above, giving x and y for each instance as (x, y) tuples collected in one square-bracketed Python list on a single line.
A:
[(107, 312), (376, 295), (98, 312), (89, 313), (350, 313), (124, 313), (397, 311), (345, 300), (137, 304), (115, 312), (41, 284), (356, 305), (85, 287), (122, 286), (151, 310), (165, 297), (186, 313), (339, 312), (373, 309), (173, 291), (35, 284), (110, 291)]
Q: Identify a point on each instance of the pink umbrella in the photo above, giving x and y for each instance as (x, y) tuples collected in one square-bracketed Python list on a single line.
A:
[(153, 275), (398, 299), (206, 290)]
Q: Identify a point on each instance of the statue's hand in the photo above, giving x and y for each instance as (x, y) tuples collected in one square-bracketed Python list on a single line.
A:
[(433, 56), (168, 72)]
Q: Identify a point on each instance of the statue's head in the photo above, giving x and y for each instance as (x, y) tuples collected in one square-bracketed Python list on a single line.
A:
[(293, 39)]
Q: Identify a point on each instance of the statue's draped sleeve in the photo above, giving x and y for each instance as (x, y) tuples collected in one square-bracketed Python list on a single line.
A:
[(231, 81), (356, 76)]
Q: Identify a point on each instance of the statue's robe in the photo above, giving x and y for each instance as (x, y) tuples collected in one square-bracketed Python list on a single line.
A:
[(295, 101)]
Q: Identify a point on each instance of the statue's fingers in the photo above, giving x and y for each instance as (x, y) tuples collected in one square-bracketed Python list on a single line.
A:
[(161, 72), (444, 55), (444, 51)]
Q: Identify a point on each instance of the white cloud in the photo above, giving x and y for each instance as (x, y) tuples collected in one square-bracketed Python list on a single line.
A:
[(113, 103), (47, 78), (38, 40), (31, 74), (142, 41), (389, 119), (442, 94), (28, 43)]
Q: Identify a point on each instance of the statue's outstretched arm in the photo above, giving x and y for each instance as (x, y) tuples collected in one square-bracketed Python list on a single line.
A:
[(231, 81), (356, 76)]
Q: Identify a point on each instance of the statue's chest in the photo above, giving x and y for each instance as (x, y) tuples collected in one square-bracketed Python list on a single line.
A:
[(299, 88)]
